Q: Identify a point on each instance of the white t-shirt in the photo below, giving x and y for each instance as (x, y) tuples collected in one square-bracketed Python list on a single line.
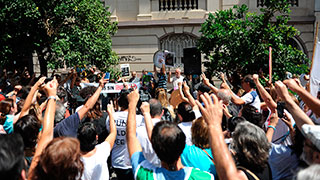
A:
[(175, 81), (96, 166), (120, 155), (186, 128), (146, 145), (247, 98)]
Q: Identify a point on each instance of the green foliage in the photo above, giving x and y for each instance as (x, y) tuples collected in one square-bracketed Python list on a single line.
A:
[(236, 40), (71, 32)]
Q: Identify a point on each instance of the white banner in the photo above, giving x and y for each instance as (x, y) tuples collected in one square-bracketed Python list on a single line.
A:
[(315, 73), (111, 87)]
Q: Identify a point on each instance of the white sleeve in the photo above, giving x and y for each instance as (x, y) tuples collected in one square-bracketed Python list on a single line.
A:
[(247, 98)]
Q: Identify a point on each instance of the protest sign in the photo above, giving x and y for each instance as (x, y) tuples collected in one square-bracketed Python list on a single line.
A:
[(111, 87), (125, 70)]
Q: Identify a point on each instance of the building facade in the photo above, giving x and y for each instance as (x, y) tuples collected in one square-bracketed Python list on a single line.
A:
[(146, 26)]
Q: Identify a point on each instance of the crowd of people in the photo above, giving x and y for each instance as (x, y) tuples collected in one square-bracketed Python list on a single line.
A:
[(171, 127)]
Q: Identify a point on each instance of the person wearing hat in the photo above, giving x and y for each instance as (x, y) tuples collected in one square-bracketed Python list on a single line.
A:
[(311, 148)]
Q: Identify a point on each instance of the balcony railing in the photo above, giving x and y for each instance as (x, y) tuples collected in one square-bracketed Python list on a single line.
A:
[(168, 5), (261, 3)]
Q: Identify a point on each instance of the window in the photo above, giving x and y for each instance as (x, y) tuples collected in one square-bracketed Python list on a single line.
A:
[(176, 43)]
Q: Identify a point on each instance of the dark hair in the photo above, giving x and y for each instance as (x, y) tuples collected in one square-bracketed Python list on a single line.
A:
[(60, 160), (233, 121), (28, 127), (248, 79), (200, 133), (155, 107), (94, 113), (251, 146), (11, 156), (251, 114), (168, 141), (123, 100), (87, 136), (185, 110), (5, 108), (204, 88), (87, 92)]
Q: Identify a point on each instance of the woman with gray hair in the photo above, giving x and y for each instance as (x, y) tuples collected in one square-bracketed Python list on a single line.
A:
[(251, 151)]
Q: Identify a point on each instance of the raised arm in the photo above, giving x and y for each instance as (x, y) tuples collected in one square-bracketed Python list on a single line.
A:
[(212, 113), (145, 108), (113, 130), (155, 70), (191, 100), (312, 102), (28, 101), (163, 69), (47, 130), (181, 93), (93, 99), (272, 125), (298, 115), (132, 140), (206, 81), (264, 94), (67, 78)]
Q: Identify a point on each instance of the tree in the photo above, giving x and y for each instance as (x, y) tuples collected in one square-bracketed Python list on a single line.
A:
[(237, 41), (71, 32)]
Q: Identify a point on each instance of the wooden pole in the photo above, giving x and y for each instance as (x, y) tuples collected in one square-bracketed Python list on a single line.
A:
[(314, 45), (270, 65)]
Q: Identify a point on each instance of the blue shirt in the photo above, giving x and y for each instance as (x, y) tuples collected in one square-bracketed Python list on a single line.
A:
[(68, 127), (192, 156), (283, 162), (8, 125)]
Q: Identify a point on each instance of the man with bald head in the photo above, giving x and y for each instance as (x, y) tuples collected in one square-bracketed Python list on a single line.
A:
[(176, 79)]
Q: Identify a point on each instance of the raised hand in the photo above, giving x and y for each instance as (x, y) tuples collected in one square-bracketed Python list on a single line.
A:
[(145, 107), (205, 80), (133, 97), (255, 78), (51, 87), (282, 90), (186, 88), (40, 82), (103, 81), (110, 108), (274, 119), (293, 84), (212, 109), (287, 120)]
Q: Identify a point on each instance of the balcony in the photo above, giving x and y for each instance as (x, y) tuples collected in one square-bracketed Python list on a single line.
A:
[(168, 5), (293, 3)]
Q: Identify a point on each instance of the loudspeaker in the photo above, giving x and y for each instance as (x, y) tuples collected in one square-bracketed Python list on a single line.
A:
[(192, 61)]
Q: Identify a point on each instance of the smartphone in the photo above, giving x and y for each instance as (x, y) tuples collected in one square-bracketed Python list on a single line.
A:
[(107, 76), (48, 79), (280, 109)]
